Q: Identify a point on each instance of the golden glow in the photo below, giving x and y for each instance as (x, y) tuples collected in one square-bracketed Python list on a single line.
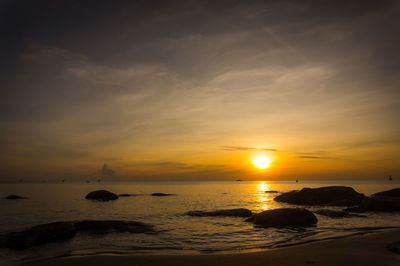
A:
[(262, 186), (261, 162), (262, 197)]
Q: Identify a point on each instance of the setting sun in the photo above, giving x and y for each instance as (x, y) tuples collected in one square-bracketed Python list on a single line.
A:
[(261, 162)]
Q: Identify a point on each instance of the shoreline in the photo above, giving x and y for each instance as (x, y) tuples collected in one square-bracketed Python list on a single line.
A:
[(369, 248)]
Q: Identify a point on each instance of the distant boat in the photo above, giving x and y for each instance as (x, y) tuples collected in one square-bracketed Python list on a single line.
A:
[(297, 181), (87, 181), (238, 180), (98, 180), (390, 178)]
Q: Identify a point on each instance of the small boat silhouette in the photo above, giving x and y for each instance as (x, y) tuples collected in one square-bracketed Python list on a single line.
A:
[(297, 181), (390, 178)]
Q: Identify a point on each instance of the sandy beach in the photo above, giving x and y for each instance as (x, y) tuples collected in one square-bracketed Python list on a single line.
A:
[(368, 249)]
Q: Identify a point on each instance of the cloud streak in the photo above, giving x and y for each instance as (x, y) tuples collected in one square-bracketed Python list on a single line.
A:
[(316, 157), (242, 148)]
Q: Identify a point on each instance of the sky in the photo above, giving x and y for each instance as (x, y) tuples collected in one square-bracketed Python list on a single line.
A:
[(195, 90)]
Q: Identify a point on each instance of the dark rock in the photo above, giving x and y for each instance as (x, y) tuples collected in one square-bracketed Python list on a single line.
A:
[(376, 204), (103, 227), (126, 195), (380, 204), (333, 196), (284, 217), (161, 194), (12, 197), (101, 195), (271, 191), (38, 235), (231, 212), (393, 193), (394, 247), (337, 214)]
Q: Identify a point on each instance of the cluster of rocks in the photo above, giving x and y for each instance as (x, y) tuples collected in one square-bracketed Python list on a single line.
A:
[(386, 201), (341, 196), (283, 217), (104, 195), (60, 231)]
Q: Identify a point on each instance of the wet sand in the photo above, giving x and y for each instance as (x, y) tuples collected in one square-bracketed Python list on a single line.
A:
[(368, 249)]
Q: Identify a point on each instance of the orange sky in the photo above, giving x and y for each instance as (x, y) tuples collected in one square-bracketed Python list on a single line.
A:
[(195, 90)]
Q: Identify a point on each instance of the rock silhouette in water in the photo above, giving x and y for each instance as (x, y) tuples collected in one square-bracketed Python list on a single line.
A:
[(376, 204), (271, 191), (230, 212), (13, 197), (60, 231), (393, 193), (385, 201), (38, 235), (161, 194), (101, 195), (332, 195), (284, 217)]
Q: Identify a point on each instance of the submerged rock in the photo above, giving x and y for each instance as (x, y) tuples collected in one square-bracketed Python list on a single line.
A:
[(332, 195), (393, 193), (12, 197), (162, 194), (101, 195), (103, 227), (284, 217), (337, 214), (126, 195), (241, 212), (38, 235)]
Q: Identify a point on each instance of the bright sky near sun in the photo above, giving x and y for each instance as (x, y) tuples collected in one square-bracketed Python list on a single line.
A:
[(200, 90)]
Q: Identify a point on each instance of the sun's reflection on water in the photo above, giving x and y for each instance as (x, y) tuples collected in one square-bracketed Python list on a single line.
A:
[(262, 196), (262, 186)]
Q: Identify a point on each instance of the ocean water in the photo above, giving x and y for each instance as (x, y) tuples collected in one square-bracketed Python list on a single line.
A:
[(177, 232)]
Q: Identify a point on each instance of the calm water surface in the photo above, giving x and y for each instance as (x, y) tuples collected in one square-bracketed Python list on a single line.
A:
[(179, 233)]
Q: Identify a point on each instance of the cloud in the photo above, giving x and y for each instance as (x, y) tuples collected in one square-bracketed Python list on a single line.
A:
[(241, 148), (315, 157), (105, 172)]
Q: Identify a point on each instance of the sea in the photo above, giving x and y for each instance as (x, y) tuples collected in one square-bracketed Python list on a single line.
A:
[(177, 233)]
